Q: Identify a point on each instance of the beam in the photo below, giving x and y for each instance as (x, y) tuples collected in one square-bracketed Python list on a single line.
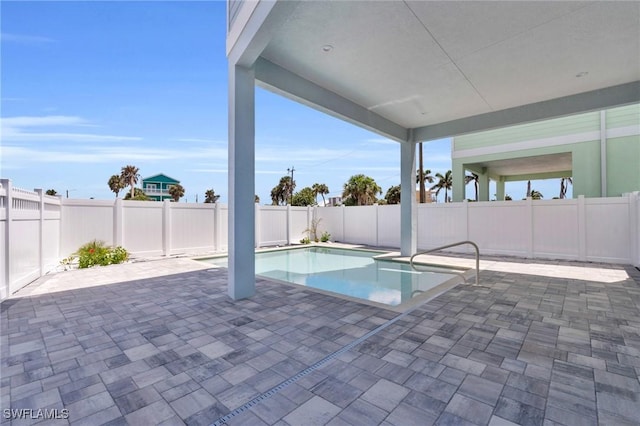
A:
[(285, 83), (594, 100)]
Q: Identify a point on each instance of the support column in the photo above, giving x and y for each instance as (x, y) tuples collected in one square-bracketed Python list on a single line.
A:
[(500, 189), (241, 182), (457, 174), (408, 219), (483, 187)]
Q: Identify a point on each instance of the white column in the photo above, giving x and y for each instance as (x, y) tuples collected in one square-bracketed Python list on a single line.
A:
[(408, 239), (241, 182)]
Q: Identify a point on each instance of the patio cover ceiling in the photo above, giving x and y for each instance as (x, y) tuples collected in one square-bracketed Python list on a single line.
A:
[(525, 168), (422, 70)]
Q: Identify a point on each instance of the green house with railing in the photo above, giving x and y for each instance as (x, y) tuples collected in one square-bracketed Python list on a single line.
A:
[(157, 186)]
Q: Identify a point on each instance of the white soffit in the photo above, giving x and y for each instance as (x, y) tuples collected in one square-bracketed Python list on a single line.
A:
[(424, 63)]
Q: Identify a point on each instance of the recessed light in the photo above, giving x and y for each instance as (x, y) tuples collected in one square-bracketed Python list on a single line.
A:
[(582, 74), (327, 48)]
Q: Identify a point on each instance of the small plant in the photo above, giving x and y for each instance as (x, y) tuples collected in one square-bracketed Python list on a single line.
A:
[(305, 240), (325, 237), (96, 253), (312, 231)]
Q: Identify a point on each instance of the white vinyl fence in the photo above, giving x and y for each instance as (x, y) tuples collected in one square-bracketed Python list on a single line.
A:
[(585, 229), (37, 231)]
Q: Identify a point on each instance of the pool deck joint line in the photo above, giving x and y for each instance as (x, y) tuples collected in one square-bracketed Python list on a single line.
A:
[(224, 419)]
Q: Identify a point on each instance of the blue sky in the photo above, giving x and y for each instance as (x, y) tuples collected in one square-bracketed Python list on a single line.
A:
[(89, 87)]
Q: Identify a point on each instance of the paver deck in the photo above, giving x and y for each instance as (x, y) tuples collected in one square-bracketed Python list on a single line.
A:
[(538, 343)]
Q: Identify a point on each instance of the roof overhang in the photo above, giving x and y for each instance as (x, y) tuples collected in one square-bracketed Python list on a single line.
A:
[(417, 71)]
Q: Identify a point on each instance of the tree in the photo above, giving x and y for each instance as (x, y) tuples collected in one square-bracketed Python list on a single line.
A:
[(444, 182), (536, 195), (473, 177), (564, 185), (304, 197), (116, 184), (360, 190), (281, 193), (51, 192), (426, 177), (176, 191), (130, 175), (528, 188), (138, 195), (320, 188), (210, 196), (393, 195), (256, 199)]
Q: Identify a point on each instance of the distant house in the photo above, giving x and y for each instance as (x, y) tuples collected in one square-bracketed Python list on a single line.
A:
[(157, 187)]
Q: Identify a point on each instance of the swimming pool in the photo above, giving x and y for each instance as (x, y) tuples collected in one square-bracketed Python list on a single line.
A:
[(354, 273)]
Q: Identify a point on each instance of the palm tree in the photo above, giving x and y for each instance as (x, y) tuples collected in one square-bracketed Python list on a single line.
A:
[(256, 199), (130, 175), (210, 196), (444, 182), (283, 191), (421, 178), (393, 195), (360, 190), (51, 192), (536, 195), (528, 189), (176, 191), (116, 184), (564, 185), (320, 188), (473, 177)]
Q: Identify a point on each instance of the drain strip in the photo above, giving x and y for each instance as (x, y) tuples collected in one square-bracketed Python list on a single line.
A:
[(224, 419)]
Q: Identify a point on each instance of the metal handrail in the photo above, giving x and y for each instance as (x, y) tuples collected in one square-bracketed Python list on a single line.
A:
[(475, 246)]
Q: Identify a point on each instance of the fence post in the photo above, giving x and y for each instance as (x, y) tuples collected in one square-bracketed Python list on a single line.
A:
[(634, 228), (465, 203), (166, 227), (6, 183), (582, 229), (117, 223), (217, 226), (40, 193), (258, 220), (344, 236), (377, 206), (530, 227), (289, 224)]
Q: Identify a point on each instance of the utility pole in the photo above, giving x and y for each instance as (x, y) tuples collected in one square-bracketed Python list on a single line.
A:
[(291, 170)]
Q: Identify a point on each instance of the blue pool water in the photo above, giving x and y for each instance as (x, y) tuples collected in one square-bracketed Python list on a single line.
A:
[(352, 273)]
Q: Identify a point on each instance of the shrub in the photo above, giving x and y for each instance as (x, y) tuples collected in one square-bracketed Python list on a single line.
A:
[(305, 240), (325, 237), (96, 253)]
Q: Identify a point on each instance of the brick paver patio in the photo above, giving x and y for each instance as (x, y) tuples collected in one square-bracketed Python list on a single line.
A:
[(522, 348)]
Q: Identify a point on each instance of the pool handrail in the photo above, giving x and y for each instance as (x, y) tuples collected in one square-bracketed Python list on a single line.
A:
[(475, 246)]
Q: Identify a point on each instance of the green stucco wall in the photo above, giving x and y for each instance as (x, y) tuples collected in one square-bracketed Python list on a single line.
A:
[(623, 153), (623, 165)]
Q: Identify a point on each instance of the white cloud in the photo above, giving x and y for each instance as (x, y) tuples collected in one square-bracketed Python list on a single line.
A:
[(16, 129), (24, 39), (200, 140), (101, 154)]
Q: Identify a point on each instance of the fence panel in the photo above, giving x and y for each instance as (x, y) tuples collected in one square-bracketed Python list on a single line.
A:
[(142, 227), (608, 233), (360, 225), (272, 226), (300, 218), (500, 227), (440, 224), (332, 221), (84, 221), (555, 229), (192, 227), (389, 226)]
